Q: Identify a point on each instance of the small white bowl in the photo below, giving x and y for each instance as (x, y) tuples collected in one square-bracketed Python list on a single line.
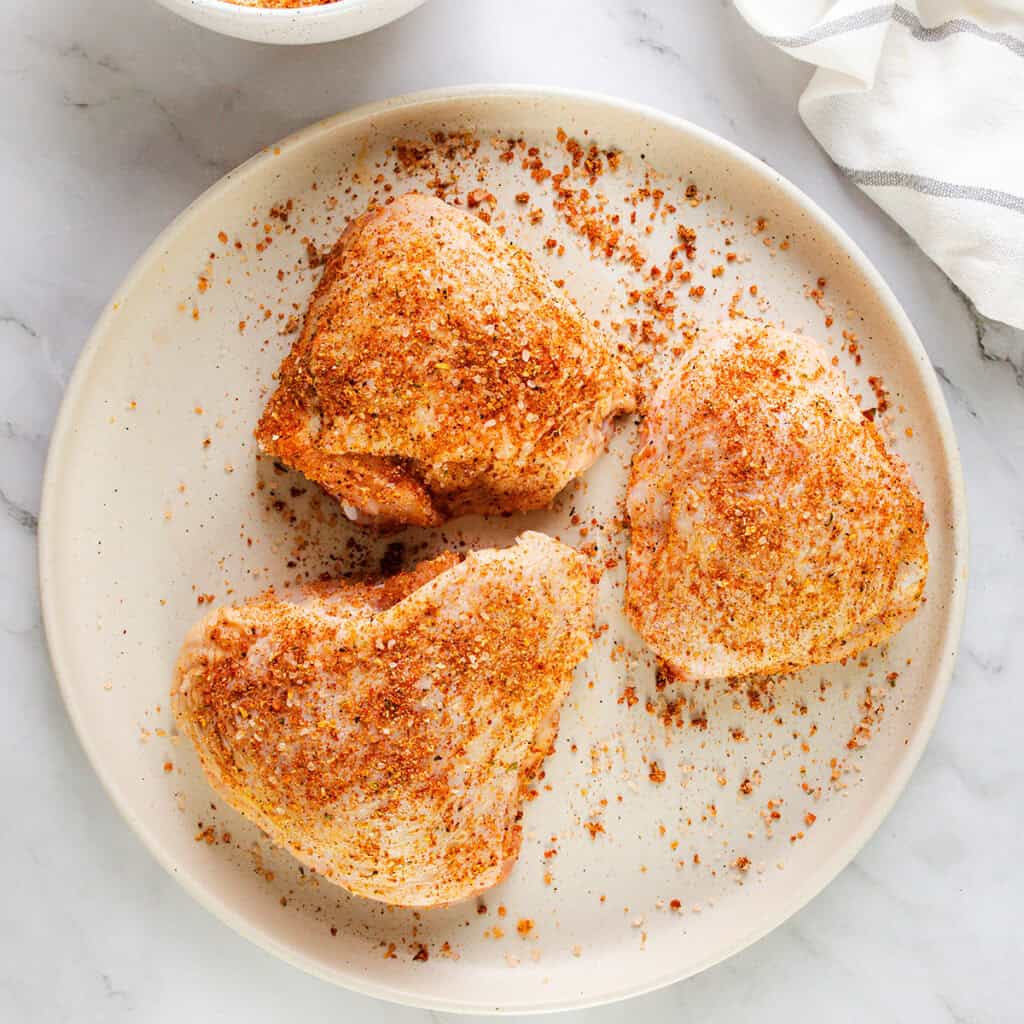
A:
[(292, 25)]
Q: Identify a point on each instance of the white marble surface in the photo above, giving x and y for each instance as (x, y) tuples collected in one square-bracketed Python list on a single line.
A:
[(115, 115)]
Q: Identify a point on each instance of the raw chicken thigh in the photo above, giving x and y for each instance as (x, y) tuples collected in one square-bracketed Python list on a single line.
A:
[(771, 528), (440, 373), (385, 733)]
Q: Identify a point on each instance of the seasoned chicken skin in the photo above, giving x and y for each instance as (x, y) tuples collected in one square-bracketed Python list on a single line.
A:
[(385, 732), (771, 528), (440, 372)]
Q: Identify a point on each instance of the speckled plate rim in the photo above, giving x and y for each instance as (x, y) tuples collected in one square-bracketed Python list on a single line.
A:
[(812, 883)]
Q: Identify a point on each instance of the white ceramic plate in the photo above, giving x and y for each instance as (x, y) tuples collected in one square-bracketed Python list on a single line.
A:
[(292, 25), (154, 497)]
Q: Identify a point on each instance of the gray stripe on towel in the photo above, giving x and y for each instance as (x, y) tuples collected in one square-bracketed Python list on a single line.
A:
[(851, 22), (894, 12), (934, 187), (953, 27)]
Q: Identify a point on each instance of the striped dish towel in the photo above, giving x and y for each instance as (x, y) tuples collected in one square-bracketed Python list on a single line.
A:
[(921, 104)]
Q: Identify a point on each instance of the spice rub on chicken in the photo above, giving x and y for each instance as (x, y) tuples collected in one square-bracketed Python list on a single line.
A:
[(440, 373), (771, 528), (386, 732)]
